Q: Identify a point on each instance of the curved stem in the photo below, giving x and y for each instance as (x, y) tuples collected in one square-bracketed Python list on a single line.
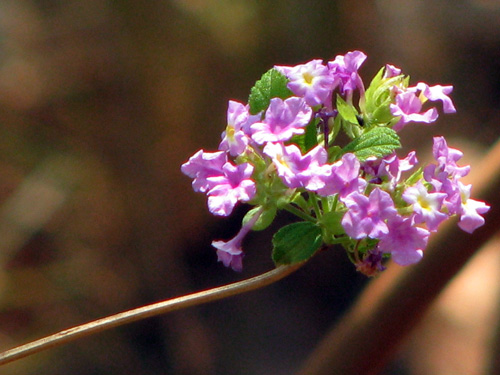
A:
[(148, 311)]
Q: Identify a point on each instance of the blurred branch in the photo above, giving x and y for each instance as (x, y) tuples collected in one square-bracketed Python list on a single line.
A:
[(365, 340), (148, 311)]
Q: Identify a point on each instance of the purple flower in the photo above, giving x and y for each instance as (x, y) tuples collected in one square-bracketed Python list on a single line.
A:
[(389, 168), (391, 71), (447, 158), (343, 178), (234, 138), (230, 252), (203, 165), (366, 216), (283, 120), (438, 92), (404, 241), (408, 106), (470, 210), (311, 80), (345, 70), (233, 186), (426, 206), (297, 170)]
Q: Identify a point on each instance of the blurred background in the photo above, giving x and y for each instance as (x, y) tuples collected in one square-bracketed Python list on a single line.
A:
[(102, 101)]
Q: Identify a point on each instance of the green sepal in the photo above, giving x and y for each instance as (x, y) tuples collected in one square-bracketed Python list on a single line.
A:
[(378, 142), (272, 84), (332, 222), (266, 217), (296, 242)]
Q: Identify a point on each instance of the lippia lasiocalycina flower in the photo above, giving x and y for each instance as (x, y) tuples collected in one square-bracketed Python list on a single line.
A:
[(282, 150)]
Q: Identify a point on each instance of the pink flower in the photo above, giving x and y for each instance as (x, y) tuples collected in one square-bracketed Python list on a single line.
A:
[(230, 252), (311, 80), (345, 69), (404, 241), (426, 206), (343, 178), (408, 106), (233, 186), (366, 216), (297, 170), (234, 138), (203, 165), (283, 120)]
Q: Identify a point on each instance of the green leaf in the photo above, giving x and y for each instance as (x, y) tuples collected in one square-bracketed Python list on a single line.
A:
[(272, 84), (296, 242), (265, 219), (347, 111), (378, 142), (311, 136), (332, 221)]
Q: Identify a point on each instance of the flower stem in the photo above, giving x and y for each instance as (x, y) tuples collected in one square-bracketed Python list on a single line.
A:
[(294, 210), (148, 311)]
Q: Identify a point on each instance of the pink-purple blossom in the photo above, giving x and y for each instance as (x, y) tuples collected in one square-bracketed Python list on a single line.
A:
[(230, 252), (297, 170), (367, 216), (426, 206), (343, 177), (203, 165), (404, 241), (344, 69), (234, 138), (471, 210), (284, 119), (311, 81), (437, 92), (408, 106), (228, 189)]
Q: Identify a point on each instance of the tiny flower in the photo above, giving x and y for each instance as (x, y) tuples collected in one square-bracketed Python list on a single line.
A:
[(426, 206), (311, 80), (230, 252), (203, 165), (234, 138), (345, 69), (389, 168), (391, 71), (283, 120), (438, 92), (471, 210), (366, 216), (408, 106), (233, 186), (404, 241), (447, 158), (297, 170), (343, 178)]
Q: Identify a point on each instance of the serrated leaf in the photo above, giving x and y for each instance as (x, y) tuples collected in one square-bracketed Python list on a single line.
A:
[(265, 219), (272, 84), (296, 242), (378, 142)]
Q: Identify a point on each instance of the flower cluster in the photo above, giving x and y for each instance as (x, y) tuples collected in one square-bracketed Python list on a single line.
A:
[(279, 151)]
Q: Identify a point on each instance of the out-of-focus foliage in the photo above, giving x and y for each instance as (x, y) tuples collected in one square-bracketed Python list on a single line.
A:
[(100, 103)]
